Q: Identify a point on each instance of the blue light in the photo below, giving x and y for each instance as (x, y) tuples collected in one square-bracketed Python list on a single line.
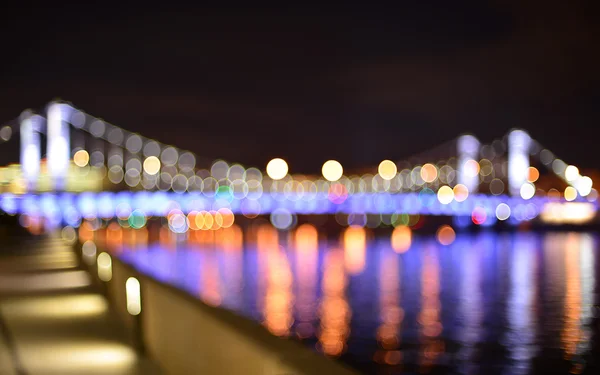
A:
[(72, 217), (9, 204), (87, 205), (106, 206), (462, 221)]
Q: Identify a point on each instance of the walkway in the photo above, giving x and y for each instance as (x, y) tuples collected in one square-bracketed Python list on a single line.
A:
[(53, 319)]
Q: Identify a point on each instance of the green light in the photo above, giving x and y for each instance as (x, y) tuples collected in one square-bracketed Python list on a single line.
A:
[(400, 219), (137, 219), (224, 192)]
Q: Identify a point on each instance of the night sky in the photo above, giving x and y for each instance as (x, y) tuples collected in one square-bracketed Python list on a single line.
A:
[(358, 84)]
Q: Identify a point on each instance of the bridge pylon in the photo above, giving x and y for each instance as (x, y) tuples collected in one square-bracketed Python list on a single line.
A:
[(519, 144), (468, 149), (58, 150)]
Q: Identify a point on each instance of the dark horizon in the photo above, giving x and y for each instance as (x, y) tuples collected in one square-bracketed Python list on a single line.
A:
[(357, 84)]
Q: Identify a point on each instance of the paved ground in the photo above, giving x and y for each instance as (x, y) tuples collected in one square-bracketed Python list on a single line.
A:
[(53, 320)]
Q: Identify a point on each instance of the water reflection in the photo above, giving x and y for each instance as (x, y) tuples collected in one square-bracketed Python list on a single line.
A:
[(482, 304), (521, 304), (391, 314), (429, 317), (470, 307), (307, 258)]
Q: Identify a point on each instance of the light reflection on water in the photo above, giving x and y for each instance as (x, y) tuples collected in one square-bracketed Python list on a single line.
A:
[(511, 303)]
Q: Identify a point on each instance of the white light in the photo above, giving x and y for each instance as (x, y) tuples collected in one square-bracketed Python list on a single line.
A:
[(445, 195), (502, 211), (518, 161), (527, 191), (5, 133), (568, 213), (134, 301), (468, 149), (134, 143), (277, 169), (58, 150), (584, 186), (332, 170), (151, 165), (571, 173)]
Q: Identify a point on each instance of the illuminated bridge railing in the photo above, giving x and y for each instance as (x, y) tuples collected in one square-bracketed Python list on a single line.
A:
[(70, 208)]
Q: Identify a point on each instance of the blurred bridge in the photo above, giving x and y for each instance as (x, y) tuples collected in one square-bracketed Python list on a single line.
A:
[(96, 170)]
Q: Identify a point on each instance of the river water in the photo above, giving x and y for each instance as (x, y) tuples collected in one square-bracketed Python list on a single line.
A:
[(486, 303)]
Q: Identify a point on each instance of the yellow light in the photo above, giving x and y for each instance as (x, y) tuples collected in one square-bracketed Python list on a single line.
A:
[(533, 174), (568, 213), (151, 165), (570, 193), (387, 169), (134, 301), (81, 158), (429, 173), (445, 195), (332, 170), (104, 267), (461, 192), (571, 173), (277, 169)]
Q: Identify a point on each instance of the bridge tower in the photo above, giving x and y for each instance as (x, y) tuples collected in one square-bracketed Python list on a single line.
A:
[(468, 149), (519, 143), (30, 127), (59, 150)]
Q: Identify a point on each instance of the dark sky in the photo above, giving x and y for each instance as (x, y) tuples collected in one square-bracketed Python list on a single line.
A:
[(358, 84)]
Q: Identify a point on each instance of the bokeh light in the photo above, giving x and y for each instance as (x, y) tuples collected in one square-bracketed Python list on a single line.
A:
[(527, 190), (571, 173), (461, 193), (445, 194), (429, 173), (478, 216), (282, 219), (81, 158), (5, 133), (277, 169), (570, 193), (502, 211), (445, 235), (387, 169), (471, 168), (496, 186), (332, 170), (533, 174), (151, 165), (401, 239)]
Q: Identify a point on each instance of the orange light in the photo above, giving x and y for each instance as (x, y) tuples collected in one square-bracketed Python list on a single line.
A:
[(429, 173), (461, 192), (306, 238), (401, 239), (355, 249), (267, 238), (445, 235), (227, 217), (533, 174), (193, 224)]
